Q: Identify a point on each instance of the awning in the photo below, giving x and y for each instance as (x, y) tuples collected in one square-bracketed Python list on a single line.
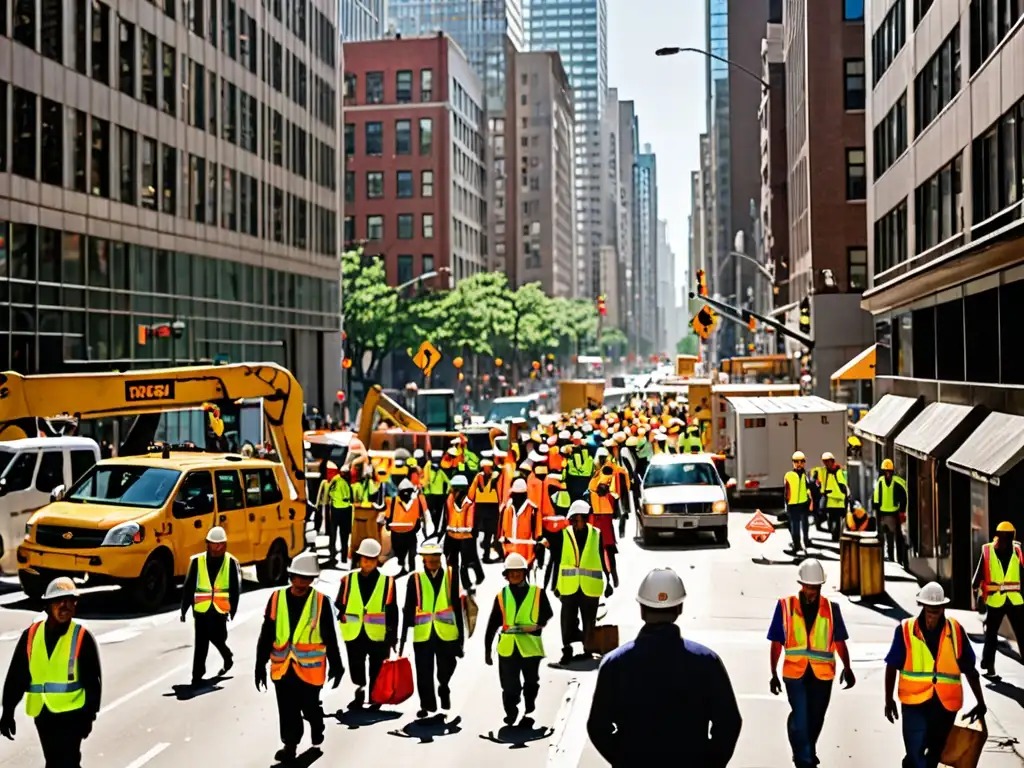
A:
[(930, 434), (860, 368), (992, 450), (882, 421)]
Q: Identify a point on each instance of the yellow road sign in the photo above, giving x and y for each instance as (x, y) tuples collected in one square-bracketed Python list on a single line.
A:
[(704, 322), (426, 357)]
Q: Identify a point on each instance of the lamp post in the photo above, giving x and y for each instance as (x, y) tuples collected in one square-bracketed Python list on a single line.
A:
[(425, 276), (672, 51)]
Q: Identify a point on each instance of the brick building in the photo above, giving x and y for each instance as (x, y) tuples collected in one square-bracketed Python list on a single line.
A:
[(415, 185)]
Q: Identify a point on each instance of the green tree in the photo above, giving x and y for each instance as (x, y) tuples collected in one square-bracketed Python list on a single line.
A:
[(687, 345), (613, 342), (371, 308)]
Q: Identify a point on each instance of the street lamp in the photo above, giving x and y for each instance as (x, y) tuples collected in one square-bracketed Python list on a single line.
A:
[(673, 50), (425, 276)]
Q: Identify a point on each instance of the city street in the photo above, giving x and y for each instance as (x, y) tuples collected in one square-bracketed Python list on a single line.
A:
[(150, 719)]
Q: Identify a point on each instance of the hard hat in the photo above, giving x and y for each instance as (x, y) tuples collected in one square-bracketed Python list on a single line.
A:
[(887, 465), (1005, 527), (536, 436), (459, 481), (853, 441), (552, 441), (60, 588), (661, 437), (542, 448), (631, 441), (436, 454), (216, 535), (932, 594), (452, 451), (305, 565), (661, 588), (369, 548), (417, 454), (430, 549), (406, 485), (600, 453), (579, 507), (827, 456), (515, 562), (799, 456), (811, 573), (518, 486), (564, 435), (534, 457), (486, 463)]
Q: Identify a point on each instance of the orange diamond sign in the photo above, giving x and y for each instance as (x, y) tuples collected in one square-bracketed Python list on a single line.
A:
[(759, 527)]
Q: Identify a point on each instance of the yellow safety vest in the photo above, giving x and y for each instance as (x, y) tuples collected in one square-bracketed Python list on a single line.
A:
[(832, 482), (371, 615), (798, 491), (580, 571), (816, 649), (340, 492), (923, 675), (217, 594), (581, 464), (999, 586), (54, 678), (512, 622), (434, 612), (885, 493), (303, 650)]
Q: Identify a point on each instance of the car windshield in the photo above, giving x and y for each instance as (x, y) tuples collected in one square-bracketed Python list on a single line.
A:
[(517, 409), (125, 485), (659, 475), (5, 460)]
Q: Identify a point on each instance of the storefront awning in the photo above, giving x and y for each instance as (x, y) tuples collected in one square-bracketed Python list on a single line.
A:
[(992, 450), (860, 368), (882, 421), (931, 433)]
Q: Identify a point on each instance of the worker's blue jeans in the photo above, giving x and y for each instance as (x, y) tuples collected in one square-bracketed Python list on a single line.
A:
[(808, 701), (799, 521), (925, 730)]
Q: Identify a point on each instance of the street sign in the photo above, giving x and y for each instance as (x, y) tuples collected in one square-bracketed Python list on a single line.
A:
[(759, 527), (426, 357)]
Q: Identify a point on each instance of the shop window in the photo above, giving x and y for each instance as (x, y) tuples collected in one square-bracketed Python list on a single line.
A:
[(923, 339), (981, 323), (1011, 299), (949, 326)]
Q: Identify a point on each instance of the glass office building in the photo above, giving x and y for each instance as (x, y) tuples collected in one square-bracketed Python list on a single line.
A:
[(363, 20)]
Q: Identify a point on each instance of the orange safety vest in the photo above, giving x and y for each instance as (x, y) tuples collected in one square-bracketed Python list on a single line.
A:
[(602, 505), (508, 472), (555, 459), (460, 520), (521, 531), (534, 489), (924, 676), (485, 488), (815, 647), (402, 518), (622, 480), (309, 659), (553, 520)]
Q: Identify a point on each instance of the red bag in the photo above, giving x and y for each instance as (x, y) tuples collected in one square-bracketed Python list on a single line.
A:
[(394, 683)]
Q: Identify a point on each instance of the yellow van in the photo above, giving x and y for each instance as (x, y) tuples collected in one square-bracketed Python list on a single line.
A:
[(135, 521)]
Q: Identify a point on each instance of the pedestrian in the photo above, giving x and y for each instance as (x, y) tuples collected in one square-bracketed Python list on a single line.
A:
[(404, 516), (889, 502), (521, 527), (696, 721), (368, 502), (368, 612), (485, 493), (56, 667), (997, 581), (929, 654), (212, 590), (582, 575), (521, 611), (835, 493), (300, 641), (799, 504), (435, 488), (457, 528), (579, 468), (602, 503), (339, 516), (433, 607), (810, 629), (554, 504)]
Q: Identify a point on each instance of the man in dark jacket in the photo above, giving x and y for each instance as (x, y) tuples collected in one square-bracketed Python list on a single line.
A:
[(696, 723)]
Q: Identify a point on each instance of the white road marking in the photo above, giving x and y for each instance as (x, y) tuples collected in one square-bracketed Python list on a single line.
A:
[(571, 725), (141, 761)]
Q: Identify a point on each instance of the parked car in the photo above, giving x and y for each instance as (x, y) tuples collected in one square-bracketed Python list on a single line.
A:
[(683, 493)]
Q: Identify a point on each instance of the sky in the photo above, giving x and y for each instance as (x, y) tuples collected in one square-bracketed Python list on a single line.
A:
[(669, 96)]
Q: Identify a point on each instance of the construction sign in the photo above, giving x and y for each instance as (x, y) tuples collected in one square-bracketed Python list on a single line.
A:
[(703, 322), (426, 358), (759, 527)]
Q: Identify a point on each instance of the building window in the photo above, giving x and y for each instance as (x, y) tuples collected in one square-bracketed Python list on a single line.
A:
[(24, 14), (374, 87), (403, 137), (921, 7), (857, 269), (426, 85), (428, 227), (126, 150), (51, 140), (937, 207), (79, 147), (426, 135), (51, 31), (350, 139), (80, 21), (404, 269), (350, 229), (374, 185), (891, 136), (406, 228), (169, 84), (991, 22), (100, 158), (375, 228), (426, 183), (403, 86), (100, 42), (375, 138), (888, 40), (350, 186), (148, 68), (351, 84), (891, 240), (197, 96), (428, 263), (938, 82), (853, 84), (404, 184), (149, 171), (997, 159), (170, 179), (126, 56), (23, 137), (853, 10), (856, 175)]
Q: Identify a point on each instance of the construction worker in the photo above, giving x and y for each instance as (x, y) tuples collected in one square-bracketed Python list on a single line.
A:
[(810, 630), (300, 641), (404, 515), (56, 667), (433, 608), (929, 654), (459, 544), (521, 611), (484, 492), (834, 493), (858, 520), (582, 575), (692, 442), (554, 504), (368, 612), (520, 528), (889, 503), (700, 730), (997, 582), (339, 516), (578, 469), (623, 487), (212, 589), (435, 489), (603, 501), (368, 502), (799, 504)]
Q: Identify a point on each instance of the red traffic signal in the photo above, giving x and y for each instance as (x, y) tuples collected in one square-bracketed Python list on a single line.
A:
[(602, 308)]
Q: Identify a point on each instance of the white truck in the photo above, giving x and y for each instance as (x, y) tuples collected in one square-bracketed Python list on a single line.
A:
[(762, 433)]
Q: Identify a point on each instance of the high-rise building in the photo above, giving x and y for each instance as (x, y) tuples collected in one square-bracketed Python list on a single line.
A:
[(704, 204), (775, 165), (629, 149), (614, 225), (363, 20), (668, 332), (645, 249), (577, 29), (157, 167)]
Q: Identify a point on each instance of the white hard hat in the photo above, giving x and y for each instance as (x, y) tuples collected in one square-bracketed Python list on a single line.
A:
[(543, 448), (660, 437), (417, 454), (932, 594), (827, 456), (515, 562), (436, 454), (216, 535), (811, 572), (430, 549), (406, 485), (564, 435), (799, 456), (60, 588), (518, 485), (579, 507), (305, 565), (453, 451), (661, 588), (535, 458), (369, 548), (577, 435), (600, 453), (459, 481)]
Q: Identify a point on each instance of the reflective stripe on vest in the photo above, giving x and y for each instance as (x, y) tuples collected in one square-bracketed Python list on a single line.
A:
[(217, 594), (404, 518), (581, 464), (53, 679), (434, 611), (797, 485), (818, 649), (303, 651), (998, 586), (924, 676), (885, 493), (371, 616), (512, 636), (460, 521), (580, 570)]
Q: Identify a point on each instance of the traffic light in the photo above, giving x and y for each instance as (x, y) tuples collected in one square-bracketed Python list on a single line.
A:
[(602, 309), (703, 322), (702, 285), (752, 323), (805, 316)]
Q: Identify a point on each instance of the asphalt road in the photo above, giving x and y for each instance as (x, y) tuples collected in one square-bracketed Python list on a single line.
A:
[(149, 718)]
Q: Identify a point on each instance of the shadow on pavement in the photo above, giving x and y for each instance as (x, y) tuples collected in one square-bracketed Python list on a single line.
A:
[(883, 605), (1007, 690), (303, 760), (430, 728), (360, 717), (187, 692), (680, 544), (762, 560), (519, 735), (578, 664)]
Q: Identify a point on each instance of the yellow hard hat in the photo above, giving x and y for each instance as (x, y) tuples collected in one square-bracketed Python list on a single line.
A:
[(1005, 527), (887, 465), (799, 456), (854, 441)]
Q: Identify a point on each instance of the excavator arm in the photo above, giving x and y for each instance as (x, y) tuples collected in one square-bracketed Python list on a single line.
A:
[(377, 401), (136, 393)]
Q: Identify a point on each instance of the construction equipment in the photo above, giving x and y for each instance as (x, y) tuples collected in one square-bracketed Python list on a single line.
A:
[(378, 402)]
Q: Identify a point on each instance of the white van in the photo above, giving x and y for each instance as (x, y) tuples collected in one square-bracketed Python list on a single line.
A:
[(30, 469)]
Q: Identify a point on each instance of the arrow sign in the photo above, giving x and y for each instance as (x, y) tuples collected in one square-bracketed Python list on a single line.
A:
[(759, 527), (426, 358)]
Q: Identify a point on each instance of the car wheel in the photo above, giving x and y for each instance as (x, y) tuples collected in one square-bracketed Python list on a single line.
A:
[(273, 571), (149, 590), (647, 536), (721, 535)]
